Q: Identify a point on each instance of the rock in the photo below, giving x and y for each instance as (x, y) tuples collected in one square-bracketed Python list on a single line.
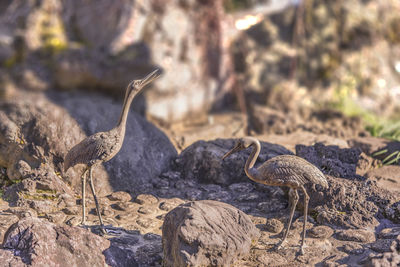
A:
[(332, 160), (392, 212), (206, 233), (133, 249), (356, 235), (170, 204), (139, 159), (145, 199), (320, 231), (391, 258), (350, 203), (273, 226), (120, 196), (245, 187), (202, 161), (31, 129), (382, 245), (389, 233), (353, 248), (39, 243), (387, 177)]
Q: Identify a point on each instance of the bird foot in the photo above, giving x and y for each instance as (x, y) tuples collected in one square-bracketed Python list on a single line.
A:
[(102, 230), (280, 245), (83, 222), (302, 247)]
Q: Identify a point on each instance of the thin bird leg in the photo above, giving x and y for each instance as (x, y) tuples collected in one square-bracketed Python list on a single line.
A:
[(306, 199), (294, 198), (95, 201), (83, 178)]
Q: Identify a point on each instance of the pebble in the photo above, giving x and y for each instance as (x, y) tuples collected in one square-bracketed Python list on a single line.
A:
[(193, 194), (68, 200), (242, 187), (74, 221), (353, 248), (247, 197), (320, 231), (126, 217), (146, 199), (124, 206), (147, 210), (146, 222), (223, 196), (71, 210), (120, 196), (271, 206), (170, 204), (274, 226), (211, 188), (389, 233), (56, 217), (356, 235)]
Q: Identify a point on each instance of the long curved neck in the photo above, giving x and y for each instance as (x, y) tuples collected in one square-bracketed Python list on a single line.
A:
[(121, 125), (248, 168)]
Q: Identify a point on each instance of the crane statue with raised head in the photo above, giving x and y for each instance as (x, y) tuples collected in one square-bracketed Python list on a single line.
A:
[(284, 170), (103, 146)]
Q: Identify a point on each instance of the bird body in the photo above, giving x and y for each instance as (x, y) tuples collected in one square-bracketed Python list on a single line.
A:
[(103, 146), (283, 170), (97, 148), (289, 170)]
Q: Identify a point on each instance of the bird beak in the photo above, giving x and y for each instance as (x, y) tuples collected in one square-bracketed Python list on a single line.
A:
[(232, 151), (151, 77)]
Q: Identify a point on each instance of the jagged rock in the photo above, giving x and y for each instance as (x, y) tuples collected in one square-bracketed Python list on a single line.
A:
[(332, 160), (206, 233), (40, 243), (145, 154), (392, 212), (350, 203), (391, 258), (35, 134), (132, 249), (203, 162)]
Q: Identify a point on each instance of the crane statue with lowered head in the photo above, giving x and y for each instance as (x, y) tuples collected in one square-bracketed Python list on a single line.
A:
[(103, 146), (284, 170)]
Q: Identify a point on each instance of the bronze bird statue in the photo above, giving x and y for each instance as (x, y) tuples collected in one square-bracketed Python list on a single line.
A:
[(283, 170), (103, 146)]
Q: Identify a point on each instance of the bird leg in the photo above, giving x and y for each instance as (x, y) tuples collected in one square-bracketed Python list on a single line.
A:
[(83, 196), (293, 199), (306, 199), (95, 201)]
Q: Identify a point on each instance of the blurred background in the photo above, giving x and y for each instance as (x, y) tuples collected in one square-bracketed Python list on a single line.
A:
[(255, 66)]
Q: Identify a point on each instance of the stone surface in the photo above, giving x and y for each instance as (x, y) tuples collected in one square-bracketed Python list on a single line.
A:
[(362, 236), (202, 161), (320, 231), (332, 160), (386, 176), (38, 243), (206, 233)]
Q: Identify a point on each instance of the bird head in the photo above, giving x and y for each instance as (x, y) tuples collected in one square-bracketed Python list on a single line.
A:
[(137, 85), (240, 144)]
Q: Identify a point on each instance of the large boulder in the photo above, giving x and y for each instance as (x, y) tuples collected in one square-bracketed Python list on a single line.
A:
[(37, 242), (35, 134), (203, 162), (146, 152), (206, 233)]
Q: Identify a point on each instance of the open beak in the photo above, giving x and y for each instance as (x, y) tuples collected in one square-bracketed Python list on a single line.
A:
[(232, 151), (151, 77)]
